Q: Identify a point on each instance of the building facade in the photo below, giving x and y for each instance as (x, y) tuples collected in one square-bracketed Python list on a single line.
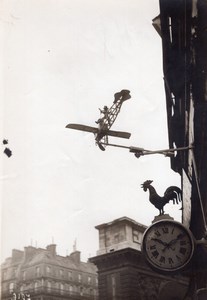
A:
[(44, 275), (183, 30), (122, 271)]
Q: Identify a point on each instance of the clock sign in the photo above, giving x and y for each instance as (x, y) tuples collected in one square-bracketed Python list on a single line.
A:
[(168, 246)]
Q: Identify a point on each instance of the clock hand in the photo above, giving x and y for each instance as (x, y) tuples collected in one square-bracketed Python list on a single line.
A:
[(179, 237), (172, 242), (160, 241), (167, 246)]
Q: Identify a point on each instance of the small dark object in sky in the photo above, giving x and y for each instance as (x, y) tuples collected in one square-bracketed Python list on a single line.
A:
[(5, 142), (8, 152)]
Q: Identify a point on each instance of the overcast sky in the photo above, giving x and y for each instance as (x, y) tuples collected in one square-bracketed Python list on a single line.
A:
[(62, 60)]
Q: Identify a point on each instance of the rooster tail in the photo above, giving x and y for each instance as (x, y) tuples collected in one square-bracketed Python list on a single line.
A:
[(173, 193)]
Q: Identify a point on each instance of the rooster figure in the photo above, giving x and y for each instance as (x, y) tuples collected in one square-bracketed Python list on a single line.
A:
[(172, 193)]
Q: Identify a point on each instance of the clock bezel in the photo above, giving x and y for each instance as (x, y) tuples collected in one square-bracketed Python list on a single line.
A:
[(160, 268)]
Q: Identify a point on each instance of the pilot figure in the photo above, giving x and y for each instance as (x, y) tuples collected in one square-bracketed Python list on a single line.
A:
[(103, 111)]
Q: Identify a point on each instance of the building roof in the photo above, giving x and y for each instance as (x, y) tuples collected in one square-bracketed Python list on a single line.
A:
[(32, 256), (122, 220)]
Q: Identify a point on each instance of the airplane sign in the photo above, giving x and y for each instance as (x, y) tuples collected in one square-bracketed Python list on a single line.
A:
[(107, 119)]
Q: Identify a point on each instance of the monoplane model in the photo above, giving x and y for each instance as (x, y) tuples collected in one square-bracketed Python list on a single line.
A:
[(106, 120)]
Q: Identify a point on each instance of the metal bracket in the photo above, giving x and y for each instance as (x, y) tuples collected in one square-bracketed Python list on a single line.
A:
[(141, 151)]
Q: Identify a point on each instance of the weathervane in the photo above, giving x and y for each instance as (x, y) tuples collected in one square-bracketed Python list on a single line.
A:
[(105, 122), (172, 193), (107, 119)]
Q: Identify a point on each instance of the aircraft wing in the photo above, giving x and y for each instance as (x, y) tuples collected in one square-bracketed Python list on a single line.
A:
[(83, 128), (120, 134)]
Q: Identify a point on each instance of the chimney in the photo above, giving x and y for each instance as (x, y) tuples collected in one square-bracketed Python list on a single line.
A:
[(29, 252), (17, 255), (75, 256), (52, 249)]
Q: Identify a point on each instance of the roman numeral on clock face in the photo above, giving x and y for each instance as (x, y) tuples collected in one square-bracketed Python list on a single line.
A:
[(162, 259), (165, 230), (153, 247), (155, 253), (182, 250), (170, 260)]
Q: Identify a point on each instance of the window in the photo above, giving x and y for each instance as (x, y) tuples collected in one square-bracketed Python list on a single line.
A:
[(136, 236), (79, 277), (61, 289), (61, 273), (24, 275), (91, 291), (75, 289), (113, 283), (70, 277), (37, 271), (49, 285), (95, 294), (70, 289), (21, 289), (11, 287), (89, 279), (15, 272), (116, 238), (4, 275), (96, 281), (48, 269), (36, 285), (81, 291)]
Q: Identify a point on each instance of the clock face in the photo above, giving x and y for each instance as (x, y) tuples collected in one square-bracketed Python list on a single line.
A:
[(168, 245)]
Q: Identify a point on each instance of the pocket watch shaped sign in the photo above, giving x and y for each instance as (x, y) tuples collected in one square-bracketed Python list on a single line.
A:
[(168, 246)]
